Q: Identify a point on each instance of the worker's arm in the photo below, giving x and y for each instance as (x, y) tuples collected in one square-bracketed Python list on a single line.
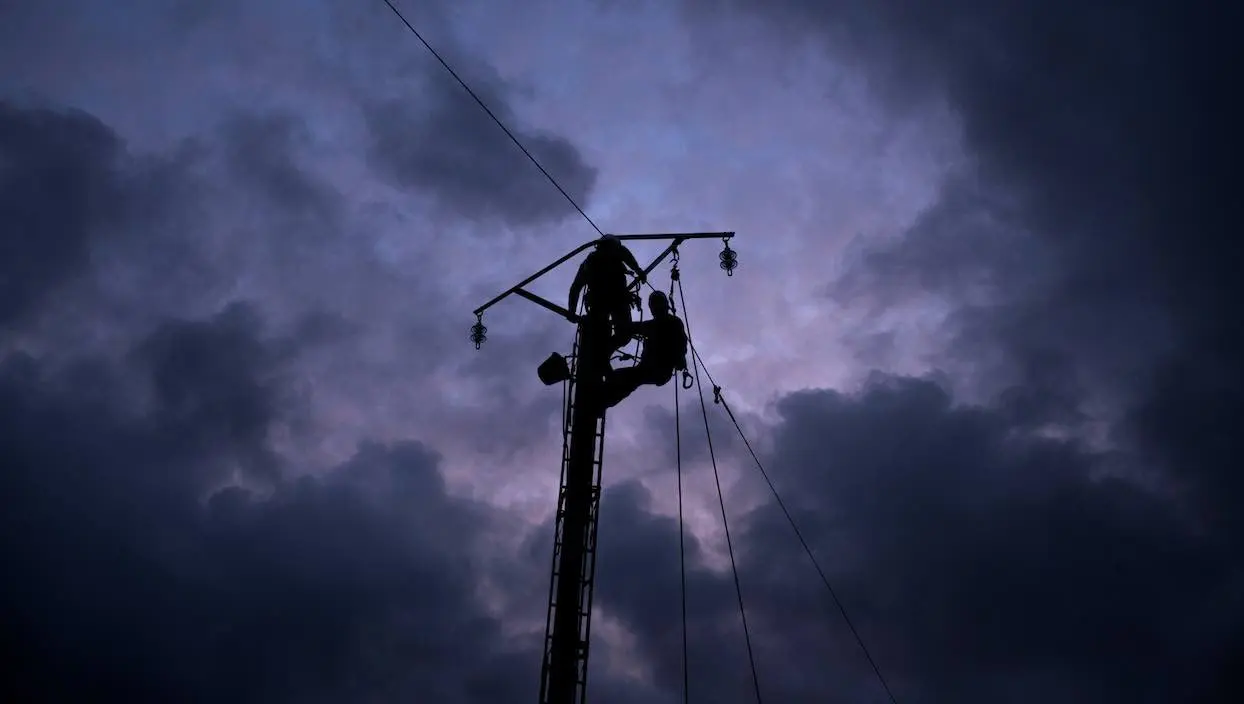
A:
[(576, 287), (644, 328), (629, 259)]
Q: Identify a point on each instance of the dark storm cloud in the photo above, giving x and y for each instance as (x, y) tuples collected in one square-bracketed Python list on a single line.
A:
[(975, 550), (1101, 134), (1092, 248), (443, 142), (131, 573), (661, 426), (263, 150), (980, 562), (59, 183), (970, 242), (182, 228), (503, 382), (94, 230), (638, 573), (218, 382), (124, 582), (638, 583)]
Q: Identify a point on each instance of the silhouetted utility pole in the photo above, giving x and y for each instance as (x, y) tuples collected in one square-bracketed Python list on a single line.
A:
[(563, 676)]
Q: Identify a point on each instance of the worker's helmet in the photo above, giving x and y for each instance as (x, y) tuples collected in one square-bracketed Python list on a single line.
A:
[(609, 242), (657, 301)]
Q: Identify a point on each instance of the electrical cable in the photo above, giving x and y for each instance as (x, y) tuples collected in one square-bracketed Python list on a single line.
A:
[(495, 119), (717, 398), (738, 589)]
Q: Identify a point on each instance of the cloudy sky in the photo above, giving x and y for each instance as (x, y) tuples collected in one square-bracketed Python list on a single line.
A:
[(981, 336)]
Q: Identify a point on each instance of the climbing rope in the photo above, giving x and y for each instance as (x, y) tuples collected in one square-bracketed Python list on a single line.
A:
[(738, 589), (682, 550)]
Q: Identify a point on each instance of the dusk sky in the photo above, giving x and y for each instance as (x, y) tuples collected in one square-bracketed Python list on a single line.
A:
[(980, 336)]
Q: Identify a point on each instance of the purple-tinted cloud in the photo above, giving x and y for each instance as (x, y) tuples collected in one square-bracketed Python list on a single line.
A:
[(984, 189)]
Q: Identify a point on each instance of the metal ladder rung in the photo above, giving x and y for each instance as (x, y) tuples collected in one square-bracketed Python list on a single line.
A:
[(587, 541)]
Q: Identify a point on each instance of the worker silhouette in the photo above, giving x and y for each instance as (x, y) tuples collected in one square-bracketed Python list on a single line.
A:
[(603, 273), (665, 352)]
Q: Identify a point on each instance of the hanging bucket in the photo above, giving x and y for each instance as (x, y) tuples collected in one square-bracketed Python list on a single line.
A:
[(554, 370)]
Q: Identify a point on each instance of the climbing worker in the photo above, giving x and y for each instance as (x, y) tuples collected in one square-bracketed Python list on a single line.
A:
[(665, 352), (603, 272)]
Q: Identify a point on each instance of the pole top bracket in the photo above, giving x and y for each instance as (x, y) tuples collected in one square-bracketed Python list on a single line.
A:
[(728, 262)]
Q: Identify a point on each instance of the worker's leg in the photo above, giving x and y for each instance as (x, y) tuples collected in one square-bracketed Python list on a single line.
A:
[(623, 382), (620, 384), (658, 376), (620, 311)]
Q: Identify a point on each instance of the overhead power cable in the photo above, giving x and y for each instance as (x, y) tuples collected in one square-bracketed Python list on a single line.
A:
[(495, 119)]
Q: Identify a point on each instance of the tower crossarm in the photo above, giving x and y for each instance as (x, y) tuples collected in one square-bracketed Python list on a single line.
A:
[(519, 289)]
